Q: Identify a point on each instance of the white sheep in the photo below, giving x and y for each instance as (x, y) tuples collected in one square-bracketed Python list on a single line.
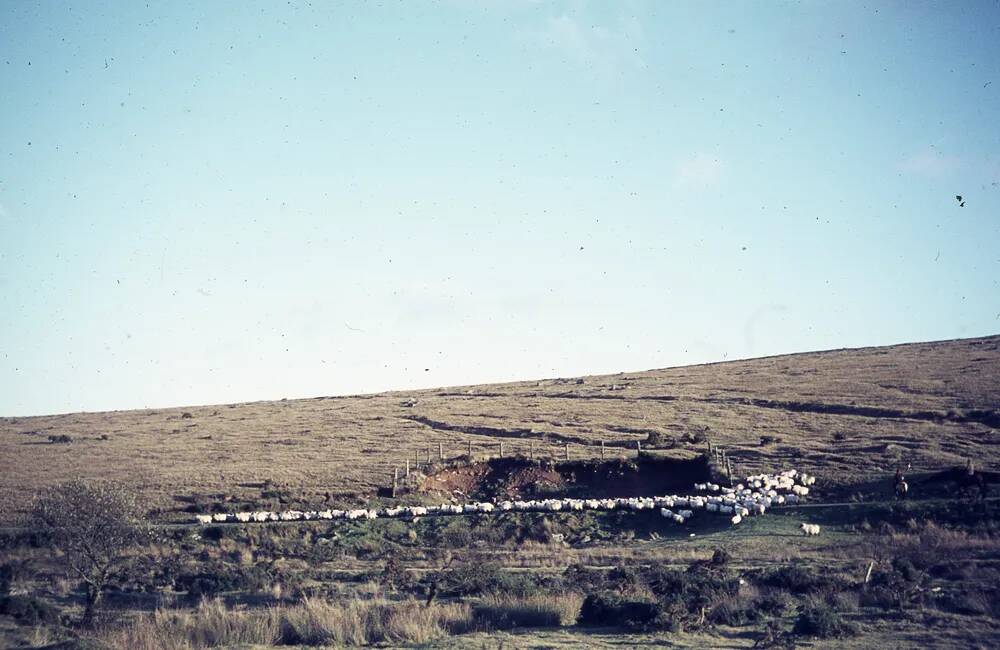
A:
[(736, 519), (809, 529), (204, 519)]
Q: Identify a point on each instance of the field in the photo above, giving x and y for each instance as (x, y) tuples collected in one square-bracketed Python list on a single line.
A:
[(850, 417)]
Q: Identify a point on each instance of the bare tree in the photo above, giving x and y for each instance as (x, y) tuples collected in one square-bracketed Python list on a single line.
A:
[(94, 525)]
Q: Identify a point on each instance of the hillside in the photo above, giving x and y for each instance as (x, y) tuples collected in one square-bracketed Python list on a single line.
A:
[(845, 415)]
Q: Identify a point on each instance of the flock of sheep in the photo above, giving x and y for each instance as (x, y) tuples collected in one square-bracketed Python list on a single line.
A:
[(753, 497)]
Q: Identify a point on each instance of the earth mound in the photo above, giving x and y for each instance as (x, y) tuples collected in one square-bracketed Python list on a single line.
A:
[(513, 478)]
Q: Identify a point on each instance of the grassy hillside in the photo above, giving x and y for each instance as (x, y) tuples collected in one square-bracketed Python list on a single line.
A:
[(845, 415)]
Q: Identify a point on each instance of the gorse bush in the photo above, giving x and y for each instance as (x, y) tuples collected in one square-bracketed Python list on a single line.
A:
[(28, 611), (611, 609), (821, 621)]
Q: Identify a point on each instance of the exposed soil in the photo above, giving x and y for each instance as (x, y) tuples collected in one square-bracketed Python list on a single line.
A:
[(504, 478)]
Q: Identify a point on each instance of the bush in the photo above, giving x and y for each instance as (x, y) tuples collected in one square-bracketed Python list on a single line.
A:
[(658, 440), (61, 439), (28, 611), (10, 573), (800, 580), (608, 609), (821, 621), (473, 578)]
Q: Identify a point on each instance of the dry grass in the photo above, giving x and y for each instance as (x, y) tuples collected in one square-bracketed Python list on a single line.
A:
[(498, 611), (313, 623), (344, 448)]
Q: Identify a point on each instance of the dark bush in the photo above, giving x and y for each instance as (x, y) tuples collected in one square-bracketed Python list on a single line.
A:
[(476, 578), (821, 621), (28, 611), (219, 578), (10, 573), (60, 439), (608, 609), (658, 440), (800, 580)]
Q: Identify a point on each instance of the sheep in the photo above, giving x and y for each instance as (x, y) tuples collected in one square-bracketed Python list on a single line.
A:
[(506, 505), (484, 507), (737, 518), (809, 529), (712, 507), (678, 519), (220, 517), (325, 514), (243, 517), (204, 519)]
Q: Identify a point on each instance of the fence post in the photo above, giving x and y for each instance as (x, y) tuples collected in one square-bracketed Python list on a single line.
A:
[(395, 480), (416, 459), (638, 448), (531, 450), (440, 451), (407, 468), (567, 451), (470, 450), (602, 450), (501, 449)]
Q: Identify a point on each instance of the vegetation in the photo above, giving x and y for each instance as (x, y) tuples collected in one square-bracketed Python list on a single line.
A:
[(93, 526)]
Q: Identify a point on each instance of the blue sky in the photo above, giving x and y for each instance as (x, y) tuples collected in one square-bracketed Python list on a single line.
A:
[(215, 202)]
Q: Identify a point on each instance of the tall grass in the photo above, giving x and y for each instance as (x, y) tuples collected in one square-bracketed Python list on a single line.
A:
[(535, 610), (312, 622), (353, 622)]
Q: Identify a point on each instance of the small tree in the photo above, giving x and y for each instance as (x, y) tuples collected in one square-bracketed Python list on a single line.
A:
[(94, 525)]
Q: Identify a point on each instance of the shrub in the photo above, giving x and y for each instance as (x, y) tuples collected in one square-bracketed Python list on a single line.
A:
[(821, 621), (61, 439), (800, 580), (608, 609), (11, 573), (28, 611), (470, 579), (658, 440)]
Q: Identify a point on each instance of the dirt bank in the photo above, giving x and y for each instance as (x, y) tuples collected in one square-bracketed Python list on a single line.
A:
[(503, 478)]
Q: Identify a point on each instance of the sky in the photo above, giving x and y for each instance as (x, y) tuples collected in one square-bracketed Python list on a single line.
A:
[(222, 202)]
